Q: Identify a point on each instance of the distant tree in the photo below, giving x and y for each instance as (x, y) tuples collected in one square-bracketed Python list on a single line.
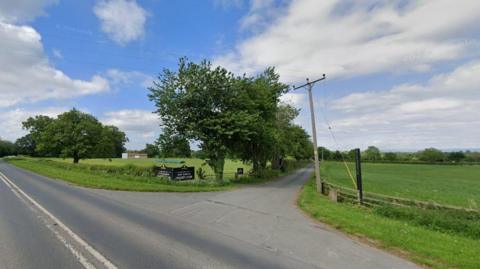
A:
[(302, 146), (372, 154), (26, 145), (7, 148), (337, 156), (199, 154), (351, 155), (171, 144), (151, 150), (456, 156), (431, 155), (390, 156), (111, 143), (324, 153)]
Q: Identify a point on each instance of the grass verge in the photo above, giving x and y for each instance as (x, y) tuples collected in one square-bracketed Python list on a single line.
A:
[(437, 249), (133, 178)]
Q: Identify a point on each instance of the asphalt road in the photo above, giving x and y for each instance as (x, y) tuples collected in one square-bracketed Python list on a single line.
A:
[(253, 227)]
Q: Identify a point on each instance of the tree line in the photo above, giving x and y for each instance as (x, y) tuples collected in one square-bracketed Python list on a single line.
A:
[(230, 116), (73, 134), (428, 155)]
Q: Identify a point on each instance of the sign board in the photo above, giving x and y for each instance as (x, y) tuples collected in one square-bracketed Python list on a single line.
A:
[(180, 173), (239, 171)]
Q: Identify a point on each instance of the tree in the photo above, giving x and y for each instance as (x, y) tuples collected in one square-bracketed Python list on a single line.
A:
[(26, 145), (170, 144), (456, 156), (75, 134), (204, 104), (111, 144), (262, 100), (372, 154), (431, 155), (390, 156), (36, 126), (151, 150), (7, 148), (324, 153)]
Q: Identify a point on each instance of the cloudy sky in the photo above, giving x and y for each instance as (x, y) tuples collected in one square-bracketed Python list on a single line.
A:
[(401, 74)]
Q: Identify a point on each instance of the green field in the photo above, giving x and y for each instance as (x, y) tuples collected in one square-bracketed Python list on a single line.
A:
[(137, 175), (424, 244), (229, 170), (457, 185)]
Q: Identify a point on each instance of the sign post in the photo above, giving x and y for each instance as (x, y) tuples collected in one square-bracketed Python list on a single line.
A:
[(358, 167)]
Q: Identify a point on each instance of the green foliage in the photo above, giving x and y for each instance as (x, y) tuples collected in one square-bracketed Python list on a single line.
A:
[(7, 148), (463, 223), (204, 104), (152, 151), (324, 153), (172, 144), (431, 155), (390, 156), (73, 134), (372, 154), (456, 156)]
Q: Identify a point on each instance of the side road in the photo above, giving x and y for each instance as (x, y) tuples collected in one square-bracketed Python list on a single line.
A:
[(253, 227)]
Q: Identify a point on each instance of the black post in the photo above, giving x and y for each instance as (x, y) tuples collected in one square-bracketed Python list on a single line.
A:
[(359, 175)]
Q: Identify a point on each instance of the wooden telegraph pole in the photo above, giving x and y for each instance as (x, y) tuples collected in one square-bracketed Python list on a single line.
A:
[(309, 86)]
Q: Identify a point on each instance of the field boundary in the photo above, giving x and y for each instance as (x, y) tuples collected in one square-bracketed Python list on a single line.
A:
[(370, 199)]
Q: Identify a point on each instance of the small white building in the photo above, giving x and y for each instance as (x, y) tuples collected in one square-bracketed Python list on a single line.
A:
[(132, 155)]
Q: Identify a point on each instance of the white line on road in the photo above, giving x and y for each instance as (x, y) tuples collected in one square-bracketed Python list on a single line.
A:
[(100, 258)]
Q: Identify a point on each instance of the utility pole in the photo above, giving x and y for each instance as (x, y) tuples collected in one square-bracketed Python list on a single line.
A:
[(309, 86)]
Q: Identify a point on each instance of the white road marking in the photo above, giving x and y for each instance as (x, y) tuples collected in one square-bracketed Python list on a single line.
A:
[(100, 258)]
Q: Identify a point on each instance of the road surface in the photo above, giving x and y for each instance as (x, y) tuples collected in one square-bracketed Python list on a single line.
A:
[(47, 223)]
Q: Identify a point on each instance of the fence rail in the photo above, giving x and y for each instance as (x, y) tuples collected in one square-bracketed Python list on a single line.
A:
[(345, 194)]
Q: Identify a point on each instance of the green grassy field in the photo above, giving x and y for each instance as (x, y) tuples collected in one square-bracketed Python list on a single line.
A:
[(422, 244), (229, 170), (457, 185), (136, 174)]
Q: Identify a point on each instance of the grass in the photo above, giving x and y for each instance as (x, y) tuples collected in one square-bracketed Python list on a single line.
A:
[(229, 170), (456, 185), (128, 176), (427, 246), (99, 180)]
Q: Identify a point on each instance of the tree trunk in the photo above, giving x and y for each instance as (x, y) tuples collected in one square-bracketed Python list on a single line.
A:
[(276, 162), (76, 158), (217, 163)]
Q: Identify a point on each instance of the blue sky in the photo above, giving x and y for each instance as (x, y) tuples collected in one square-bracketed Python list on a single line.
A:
[(402, 74)]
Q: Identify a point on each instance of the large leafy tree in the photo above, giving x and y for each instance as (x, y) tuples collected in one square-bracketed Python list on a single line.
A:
[(171, 144), (372, 153), (205, 104), (75, 134), (36, 127), (262, 100)]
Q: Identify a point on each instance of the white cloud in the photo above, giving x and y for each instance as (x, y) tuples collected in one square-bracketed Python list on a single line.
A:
[(11, 121), (443, 113), (141, 126), (27, 76), (345, 38), (15, 11), (122, 20), (117, 76)]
